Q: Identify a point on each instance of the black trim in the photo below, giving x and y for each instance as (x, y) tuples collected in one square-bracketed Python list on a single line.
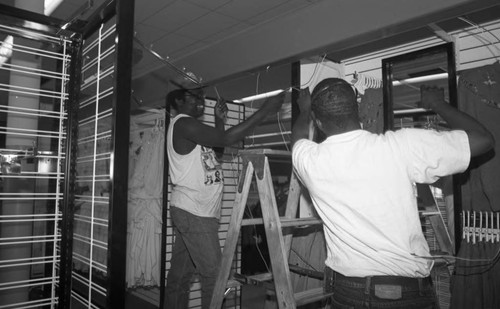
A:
[(387, 95), (69, 181), (387, 64), (31, 16), (295, 92), (387, 71), (164, 214), (117, 229), (104, 13)]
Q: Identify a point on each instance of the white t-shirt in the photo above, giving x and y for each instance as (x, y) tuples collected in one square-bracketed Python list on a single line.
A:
[(197, 178), (362, 186)]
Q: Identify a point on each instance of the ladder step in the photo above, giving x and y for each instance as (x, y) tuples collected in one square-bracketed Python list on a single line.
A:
[(426, 213), (258, 279), (285, 222), (311, 296), (265, 151), (308, 296)]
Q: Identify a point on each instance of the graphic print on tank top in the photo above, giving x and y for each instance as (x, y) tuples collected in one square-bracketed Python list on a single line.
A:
[(212, 167)]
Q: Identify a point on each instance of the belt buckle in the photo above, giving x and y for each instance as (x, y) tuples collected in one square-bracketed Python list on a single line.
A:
[(388, 291)]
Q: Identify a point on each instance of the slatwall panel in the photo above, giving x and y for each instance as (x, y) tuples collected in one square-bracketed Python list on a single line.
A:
[(476, 45), (93, 162), (33, 98), (231, 164)]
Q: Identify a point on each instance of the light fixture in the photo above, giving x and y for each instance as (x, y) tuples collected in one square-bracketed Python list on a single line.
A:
[(420, 79), (49, 7), (258, 96), (6, 49)]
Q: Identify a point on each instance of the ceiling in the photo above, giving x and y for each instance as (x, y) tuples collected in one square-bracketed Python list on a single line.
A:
[(240, 47)]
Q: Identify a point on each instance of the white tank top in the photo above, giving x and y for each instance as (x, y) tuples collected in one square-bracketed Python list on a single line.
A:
[(197, 178)]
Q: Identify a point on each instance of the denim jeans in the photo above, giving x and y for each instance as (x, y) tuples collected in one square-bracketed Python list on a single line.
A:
[(196, 250), (383, 292)]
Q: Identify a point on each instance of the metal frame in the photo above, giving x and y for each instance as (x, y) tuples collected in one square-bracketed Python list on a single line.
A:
[(122, 12), (388, 116), (46, 30), (387, 71)]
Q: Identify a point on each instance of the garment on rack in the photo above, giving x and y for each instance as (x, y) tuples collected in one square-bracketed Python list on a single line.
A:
[(476, 280), (145, 207)]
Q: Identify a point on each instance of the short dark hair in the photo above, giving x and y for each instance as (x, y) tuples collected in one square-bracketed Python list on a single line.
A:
[(334, 100), (177, 94)]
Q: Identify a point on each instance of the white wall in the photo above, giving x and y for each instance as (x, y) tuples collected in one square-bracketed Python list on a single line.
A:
[(475, 47)]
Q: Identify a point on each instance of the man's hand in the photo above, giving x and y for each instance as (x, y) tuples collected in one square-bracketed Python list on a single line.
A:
[(431, 96), (273, 104), (300, 128), (220, 109), (304, 100)]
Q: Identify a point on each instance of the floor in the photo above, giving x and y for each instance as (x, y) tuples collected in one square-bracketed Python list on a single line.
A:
[(252, 297)]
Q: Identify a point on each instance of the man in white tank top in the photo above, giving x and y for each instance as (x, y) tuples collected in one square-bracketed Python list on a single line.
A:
[(197, 185)]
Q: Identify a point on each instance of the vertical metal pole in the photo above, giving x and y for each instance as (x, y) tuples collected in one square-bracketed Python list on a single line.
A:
[(163, 250), (67, 208), (117, 230)]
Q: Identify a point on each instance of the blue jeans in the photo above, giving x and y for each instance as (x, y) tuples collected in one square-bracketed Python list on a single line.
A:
[(196, 250), (383, 292)]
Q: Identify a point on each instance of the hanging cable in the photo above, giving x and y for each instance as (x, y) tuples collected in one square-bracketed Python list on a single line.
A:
[(186, 75)]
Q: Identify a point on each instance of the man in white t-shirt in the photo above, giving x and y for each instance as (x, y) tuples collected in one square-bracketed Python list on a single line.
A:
[(197, 184), (362, 186)]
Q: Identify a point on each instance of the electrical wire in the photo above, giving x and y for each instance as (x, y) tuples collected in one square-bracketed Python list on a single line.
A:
[(256, 243), (313, 73), (281, 131), (483, 30), (489, 262), (176, 69)]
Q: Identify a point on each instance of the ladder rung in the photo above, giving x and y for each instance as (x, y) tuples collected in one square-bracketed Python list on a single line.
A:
[(266, 151), (429, 213), (306, 297), (310, 296), (285, 222), (258, 279)]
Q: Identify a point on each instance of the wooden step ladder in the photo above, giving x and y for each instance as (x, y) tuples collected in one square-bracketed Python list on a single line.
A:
[(256, 162)]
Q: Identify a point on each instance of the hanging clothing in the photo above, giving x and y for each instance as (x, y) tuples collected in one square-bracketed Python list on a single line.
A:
[(145, 207), (476, 281)]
